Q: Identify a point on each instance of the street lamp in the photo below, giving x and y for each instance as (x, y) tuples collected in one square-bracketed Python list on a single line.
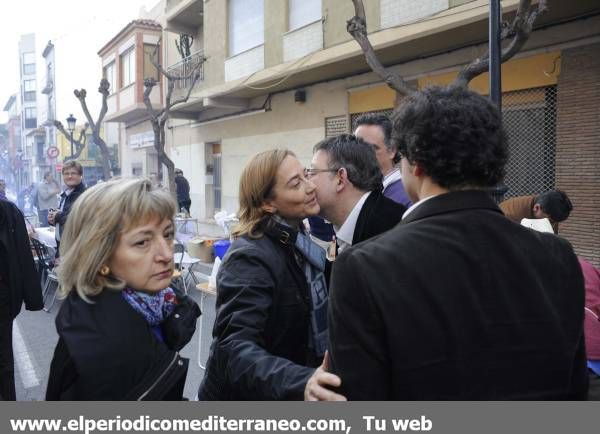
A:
[(71, 127)]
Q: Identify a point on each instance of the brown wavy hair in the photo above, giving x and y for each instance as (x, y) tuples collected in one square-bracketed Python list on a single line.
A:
[(256, 185)]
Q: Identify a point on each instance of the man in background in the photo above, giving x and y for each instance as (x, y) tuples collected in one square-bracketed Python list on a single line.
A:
[(47, 197), (183, 192), (72, 173), (376, 130), (554, 205)]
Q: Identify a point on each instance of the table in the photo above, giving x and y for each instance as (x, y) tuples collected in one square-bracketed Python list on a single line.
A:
[(186, 225), (45, 235)]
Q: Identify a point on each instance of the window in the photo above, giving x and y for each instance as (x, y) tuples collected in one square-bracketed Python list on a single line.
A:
[(29, 69), (128, 67), (149, 69), (29, 96), (109, 74), (30, 117), (29, 85), (303, 12), (30, 113), (246, 25), (29, 63)]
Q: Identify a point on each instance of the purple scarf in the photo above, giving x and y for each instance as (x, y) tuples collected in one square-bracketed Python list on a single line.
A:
[(153, 307)]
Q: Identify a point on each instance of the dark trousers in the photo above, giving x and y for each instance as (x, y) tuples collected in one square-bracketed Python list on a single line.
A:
[(185, 205), (7, 364)]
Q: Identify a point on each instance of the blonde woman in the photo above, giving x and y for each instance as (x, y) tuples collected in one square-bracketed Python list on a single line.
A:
[(121, 326), (270, 334)]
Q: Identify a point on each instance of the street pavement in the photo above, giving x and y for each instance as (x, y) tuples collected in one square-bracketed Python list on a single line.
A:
[(34, 339)]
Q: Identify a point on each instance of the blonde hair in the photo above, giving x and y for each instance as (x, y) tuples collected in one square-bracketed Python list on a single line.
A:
[(256, 185), (92, 231)]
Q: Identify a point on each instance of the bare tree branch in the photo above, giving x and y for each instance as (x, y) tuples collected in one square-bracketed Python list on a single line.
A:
[(357, 27), (79, 143), (519, 30), (81, 95), (104, 90), (158, 118)]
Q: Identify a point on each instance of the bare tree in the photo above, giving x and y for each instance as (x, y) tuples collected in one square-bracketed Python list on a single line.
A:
[(516, 33), (158, 118), (79, 142), (95, 126)]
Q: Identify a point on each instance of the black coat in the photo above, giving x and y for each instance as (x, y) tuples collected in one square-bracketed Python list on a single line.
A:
[(458, 303), (16, 261), (69, 200), (260, 337), (377, 215), (107, 351), (183, 188)]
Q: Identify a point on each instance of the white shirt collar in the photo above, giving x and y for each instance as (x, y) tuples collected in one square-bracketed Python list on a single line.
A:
[(345, 233), (415, 205), (391, 177)]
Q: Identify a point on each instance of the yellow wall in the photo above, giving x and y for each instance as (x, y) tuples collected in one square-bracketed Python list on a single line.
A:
[(374, 98), (64, 145), (517, 74)]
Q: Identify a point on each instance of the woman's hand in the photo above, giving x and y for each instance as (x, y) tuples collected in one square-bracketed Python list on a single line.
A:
[(316, 387)]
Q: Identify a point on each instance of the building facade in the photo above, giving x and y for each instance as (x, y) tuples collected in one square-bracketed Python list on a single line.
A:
[(31, 137), (285, 73), (125, 64)]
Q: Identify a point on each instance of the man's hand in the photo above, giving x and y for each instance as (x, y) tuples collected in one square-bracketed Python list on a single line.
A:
[(316, 387)]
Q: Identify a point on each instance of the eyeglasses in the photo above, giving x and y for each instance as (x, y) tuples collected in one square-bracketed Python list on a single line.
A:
[(70, 173), (309, 173)]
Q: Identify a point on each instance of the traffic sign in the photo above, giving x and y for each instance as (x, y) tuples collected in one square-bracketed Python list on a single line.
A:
[(53, 152)]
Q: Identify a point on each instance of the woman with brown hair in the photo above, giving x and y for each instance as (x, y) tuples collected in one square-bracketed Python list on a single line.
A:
[(270, 334)]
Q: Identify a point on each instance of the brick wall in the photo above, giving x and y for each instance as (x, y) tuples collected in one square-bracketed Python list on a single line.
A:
[(578, 147)]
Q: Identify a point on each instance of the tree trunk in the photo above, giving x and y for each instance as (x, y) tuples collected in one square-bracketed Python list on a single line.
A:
[(106, 169)]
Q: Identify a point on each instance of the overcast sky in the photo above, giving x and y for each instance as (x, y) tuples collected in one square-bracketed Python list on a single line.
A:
[(78, 29)]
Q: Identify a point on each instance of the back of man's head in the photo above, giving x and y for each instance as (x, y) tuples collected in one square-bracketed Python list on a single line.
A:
[(556, 204), (357, 157), (455, 135)]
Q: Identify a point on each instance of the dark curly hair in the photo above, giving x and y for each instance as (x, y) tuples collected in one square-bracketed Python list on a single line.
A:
[(357, 157), (454, 134)]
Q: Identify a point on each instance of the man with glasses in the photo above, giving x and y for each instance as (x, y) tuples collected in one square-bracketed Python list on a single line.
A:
[(72, 173), (456, 302), (349, 190)]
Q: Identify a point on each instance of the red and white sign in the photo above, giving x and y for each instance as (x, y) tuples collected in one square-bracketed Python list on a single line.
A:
[(53, 152)]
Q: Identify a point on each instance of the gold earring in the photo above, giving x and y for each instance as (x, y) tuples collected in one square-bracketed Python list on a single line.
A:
[(104, 270)]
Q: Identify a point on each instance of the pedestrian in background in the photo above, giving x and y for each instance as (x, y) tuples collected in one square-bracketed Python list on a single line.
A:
[(554, 205), (47, 197), (72, 173), (19, 283), (270, 333), (121, 326), (183, 192)]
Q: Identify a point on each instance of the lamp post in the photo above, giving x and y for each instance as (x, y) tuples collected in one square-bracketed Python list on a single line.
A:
[(71, 127)]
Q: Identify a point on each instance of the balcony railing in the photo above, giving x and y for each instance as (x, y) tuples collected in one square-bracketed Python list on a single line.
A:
[(185, 67)]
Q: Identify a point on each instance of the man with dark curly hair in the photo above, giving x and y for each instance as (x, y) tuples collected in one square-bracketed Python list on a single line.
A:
[(456, 302)]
